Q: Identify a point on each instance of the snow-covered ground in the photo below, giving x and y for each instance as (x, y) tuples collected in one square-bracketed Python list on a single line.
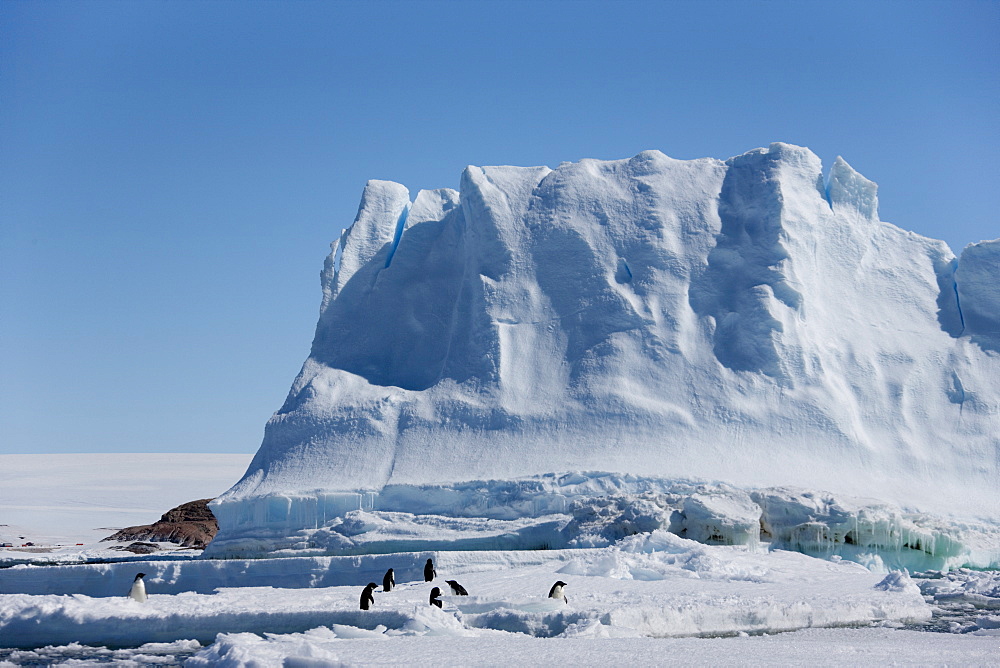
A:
[(646, 599)]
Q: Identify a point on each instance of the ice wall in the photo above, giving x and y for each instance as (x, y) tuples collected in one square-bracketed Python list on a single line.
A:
[(977, 277), (746, 321), (589, 510)]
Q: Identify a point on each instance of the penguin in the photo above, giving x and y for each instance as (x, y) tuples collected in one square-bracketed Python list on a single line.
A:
[(388, 580), (436, 597), (557, 591), (138, 590), (366, 596), (457, 589), (429, 572)]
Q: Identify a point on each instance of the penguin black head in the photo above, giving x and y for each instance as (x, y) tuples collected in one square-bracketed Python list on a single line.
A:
[(456, 588), (139, 576), (371, 585), (557, 590)]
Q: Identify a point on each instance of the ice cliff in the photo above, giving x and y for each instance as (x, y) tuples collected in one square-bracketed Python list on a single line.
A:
[(749, 321)]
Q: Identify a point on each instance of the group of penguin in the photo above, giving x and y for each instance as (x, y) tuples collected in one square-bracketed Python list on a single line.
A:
[(389, 581), (138, 590)]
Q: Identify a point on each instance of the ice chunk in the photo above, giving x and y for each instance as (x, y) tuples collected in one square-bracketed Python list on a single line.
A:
[(730, 518), (897, 581), (849, 191)]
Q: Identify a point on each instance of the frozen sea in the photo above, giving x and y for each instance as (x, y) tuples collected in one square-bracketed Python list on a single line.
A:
[(649, 599)]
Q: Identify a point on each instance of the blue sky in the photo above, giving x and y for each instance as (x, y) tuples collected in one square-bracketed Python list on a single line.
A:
[(172, 173)]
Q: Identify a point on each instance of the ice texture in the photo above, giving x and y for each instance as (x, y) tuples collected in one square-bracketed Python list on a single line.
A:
[(745, 321)]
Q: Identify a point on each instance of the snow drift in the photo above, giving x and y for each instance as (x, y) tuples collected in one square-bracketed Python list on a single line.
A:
[(748, 321)]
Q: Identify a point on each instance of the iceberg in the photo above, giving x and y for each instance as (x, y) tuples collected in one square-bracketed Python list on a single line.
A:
[(562, 357)]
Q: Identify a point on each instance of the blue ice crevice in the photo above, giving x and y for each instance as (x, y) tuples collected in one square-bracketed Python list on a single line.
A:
[(958, 307), (950, 315), (623, 273), (400, 224)]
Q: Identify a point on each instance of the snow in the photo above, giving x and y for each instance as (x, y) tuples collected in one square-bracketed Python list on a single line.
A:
[(636, 598), (809, 648), (328, 647), (656, 585), (653, 586), (746, 323)]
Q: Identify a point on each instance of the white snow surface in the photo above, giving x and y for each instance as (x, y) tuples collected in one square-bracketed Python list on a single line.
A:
[(748, 321), (643, 599), (813, 647), (656, 585)]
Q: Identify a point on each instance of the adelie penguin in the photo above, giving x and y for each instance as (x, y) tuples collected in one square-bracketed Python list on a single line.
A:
[(367, 599), (457, 589), (388, 580), (557, 591), (436, 597), (138, 590), (429, 572)]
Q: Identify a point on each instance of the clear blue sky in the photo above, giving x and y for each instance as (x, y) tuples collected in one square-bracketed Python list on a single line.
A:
[(172, 173)]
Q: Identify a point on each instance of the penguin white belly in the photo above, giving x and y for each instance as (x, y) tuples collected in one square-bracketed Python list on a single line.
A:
[(138, 591)]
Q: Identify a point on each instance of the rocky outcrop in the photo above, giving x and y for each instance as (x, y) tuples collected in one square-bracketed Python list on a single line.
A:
[(190, 524), (138, 547)]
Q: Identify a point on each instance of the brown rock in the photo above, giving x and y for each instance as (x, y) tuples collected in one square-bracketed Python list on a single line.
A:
[(190, 524)]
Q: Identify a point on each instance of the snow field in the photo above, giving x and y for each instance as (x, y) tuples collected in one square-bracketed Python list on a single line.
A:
[(807, 648), (683, 588), (337, 646)]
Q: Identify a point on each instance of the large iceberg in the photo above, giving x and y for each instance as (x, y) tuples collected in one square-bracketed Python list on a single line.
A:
[(708, 337)]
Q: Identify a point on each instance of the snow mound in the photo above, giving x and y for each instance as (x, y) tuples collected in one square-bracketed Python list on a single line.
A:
[(747, 321), (897, 581)]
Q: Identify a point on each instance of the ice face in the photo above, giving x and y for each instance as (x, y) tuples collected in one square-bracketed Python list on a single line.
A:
[(977, 278), (589, 510), (847, 191), (736, 321)]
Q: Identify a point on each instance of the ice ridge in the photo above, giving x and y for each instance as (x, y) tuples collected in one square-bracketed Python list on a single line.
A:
[(744, 269)]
